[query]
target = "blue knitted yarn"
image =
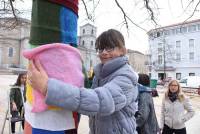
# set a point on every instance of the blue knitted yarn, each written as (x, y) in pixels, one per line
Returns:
(41, 131)
(68, 25)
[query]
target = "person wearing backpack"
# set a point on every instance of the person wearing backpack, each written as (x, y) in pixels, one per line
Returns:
(145, 116)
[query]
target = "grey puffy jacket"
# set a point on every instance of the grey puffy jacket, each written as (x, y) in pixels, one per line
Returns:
(110, 104)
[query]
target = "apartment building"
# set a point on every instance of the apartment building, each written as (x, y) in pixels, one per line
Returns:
(174, 50)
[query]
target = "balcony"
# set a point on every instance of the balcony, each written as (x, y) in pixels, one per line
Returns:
(167, 68)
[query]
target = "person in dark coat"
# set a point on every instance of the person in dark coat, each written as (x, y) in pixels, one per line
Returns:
(145, 116)
(17, 97)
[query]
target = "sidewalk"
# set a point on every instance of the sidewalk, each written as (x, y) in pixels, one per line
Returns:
(192, 125)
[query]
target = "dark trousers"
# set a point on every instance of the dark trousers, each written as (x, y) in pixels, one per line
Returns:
(71, 131)
(168, 130)
(16, 114)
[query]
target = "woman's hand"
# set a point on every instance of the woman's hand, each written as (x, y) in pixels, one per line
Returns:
(14, 106)
(37, 77)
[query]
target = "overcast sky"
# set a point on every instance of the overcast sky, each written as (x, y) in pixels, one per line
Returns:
(107, 15)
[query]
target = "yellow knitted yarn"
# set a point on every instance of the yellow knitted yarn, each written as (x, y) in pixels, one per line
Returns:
(30, 97)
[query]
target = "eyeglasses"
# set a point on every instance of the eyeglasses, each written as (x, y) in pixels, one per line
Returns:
(173, 85)
(105, 49)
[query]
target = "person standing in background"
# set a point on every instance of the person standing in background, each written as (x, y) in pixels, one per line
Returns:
(176, 110)
(145, 116)
(17, 98)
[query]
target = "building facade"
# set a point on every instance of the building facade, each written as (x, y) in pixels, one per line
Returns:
(86, 45)
(174, 50)
(12, 42)
(138, 61)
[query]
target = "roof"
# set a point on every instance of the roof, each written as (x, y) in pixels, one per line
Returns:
(11, 22)
(134, 51)
(19, 18)
(174, 25)
(89, 25)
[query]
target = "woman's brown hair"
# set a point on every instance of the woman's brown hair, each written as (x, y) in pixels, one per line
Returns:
(110, 39)
(181, 96)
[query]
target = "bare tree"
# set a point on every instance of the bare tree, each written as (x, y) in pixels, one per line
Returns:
(7, 10)
(151, 7)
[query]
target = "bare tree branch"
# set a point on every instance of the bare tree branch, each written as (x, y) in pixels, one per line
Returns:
(193, 11)
(182, 4)
(97, 5)
(85, 6)
(187, 7)
(13, 10)
(124, 14)
(149, 9)
(8, 11)
(7, 8)
(126, 17)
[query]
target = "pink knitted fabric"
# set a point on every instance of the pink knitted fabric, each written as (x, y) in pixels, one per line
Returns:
(60, 61)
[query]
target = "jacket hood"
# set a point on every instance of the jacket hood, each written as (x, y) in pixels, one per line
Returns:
(142, 88)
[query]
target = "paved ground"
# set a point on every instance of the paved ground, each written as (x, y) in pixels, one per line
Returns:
(192, 125)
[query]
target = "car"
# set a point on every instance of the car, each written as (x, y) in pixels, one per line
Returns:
(190, 81)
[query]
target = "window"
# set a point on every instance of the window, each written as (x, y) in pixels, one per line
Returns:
(191, 74)
(10, 52)
(178, 76)
(92, 32)
(191, 43)
(170, 46)
(183, 29)
(159, 50)
(178, 44)
(166, 32)
(178, 30)
(160, 45)
(92, 43)
(178, 57)
(192, 28)
(83, 31)
(158, 34)
(199, 27)
(173, 31)
(159, 59)
(83, 43)
(151, 35)
(191, 55)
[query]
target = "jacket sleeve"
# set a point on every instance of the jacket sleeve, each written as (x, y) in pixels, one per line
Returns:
(162, 117)
(143, 109)
(190, 111)
(12, 95)
(104, 100)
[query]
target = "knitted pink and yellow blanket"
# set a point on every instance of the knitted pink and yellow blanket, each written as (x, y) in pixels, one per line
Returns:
(60, 61)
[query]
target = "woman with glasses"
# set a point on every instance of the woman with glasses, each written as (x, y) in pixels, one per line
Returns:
(176, 110)
(111, 104)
